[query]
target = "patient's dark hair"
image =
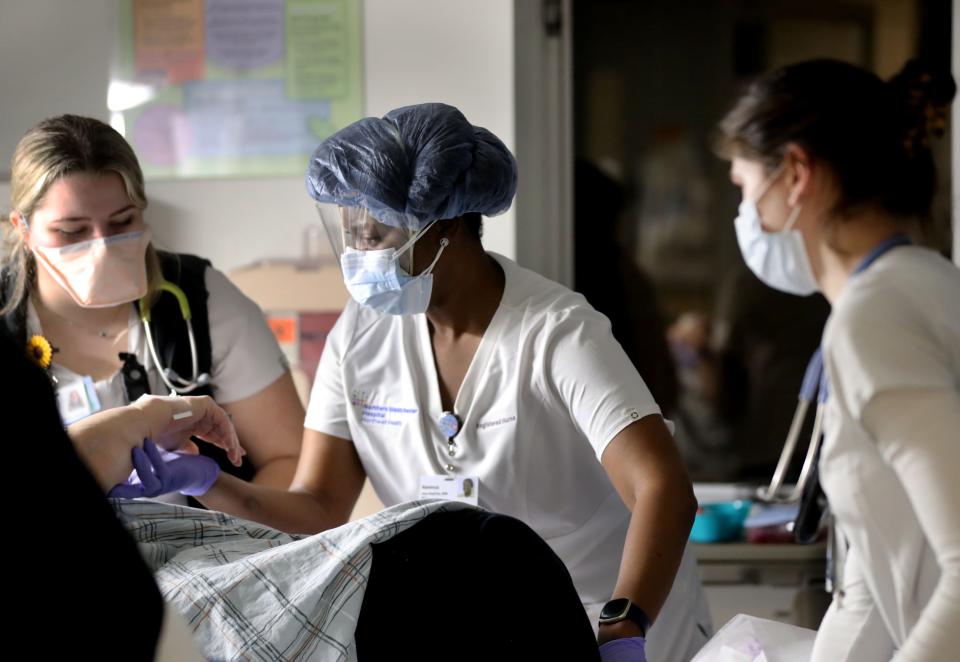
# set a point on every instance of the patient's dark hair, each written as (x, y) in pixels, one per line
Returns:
(873, 135)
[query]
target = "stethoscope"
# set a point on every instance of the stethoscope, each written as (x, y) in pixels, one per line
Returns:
(814, 388)
(173, 381)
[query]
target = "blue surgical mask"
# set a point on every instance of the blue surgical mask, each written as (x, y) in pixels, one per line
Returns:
(376, 279)
(779, 259)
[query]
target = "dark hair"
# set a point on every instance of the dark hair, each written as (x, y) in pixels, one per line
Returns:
(874, 135)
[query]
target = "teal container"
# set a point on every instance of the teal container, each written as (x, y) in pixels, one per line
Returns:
(720, 522)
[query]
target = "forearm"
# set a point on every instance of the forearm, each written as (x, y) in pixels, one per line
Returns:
(936, 634)
(645, 468)
(270, 425)
(656, 538)
(107, 459)
(915, 430)
(277, 473)
(287, 510)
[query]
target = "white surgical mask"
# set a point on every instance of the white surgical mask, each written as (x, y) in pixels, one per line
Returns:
(779, 259)
(376, 279)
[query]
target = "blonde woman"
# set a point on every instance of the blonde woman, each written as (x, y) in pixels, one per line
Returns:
(81, 274)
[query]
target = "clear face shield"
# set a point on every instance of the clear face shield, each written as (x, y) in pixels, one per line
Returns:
(356, 229)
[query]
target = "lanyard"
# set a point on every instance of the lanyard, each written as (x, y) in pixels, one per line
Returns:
(814, 389)
(814, 379)
(813, 502)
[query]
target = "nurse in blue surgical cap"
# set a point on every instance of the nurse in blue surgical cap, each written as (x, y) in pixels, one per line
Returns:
(453, 363)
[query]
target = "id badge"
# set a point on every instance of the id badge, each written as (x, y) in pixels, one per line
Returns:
(77, 399)
(451, 488)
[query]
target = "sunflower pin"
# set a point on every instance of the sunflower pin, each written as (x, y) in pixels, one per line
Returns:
(40, 351)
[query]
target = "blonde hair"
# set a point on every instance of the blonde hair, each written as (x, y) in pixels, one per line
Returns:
(54, 148)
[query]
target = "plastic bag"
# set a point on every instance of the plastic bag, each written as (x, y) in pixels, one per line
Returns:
(750, 639)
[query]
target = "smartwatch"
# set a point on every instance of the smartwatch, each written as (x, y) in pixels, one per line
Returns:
(621, 609)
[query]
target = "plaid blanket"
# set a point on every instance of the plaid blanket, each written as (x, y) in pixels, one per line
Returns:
(249, 592)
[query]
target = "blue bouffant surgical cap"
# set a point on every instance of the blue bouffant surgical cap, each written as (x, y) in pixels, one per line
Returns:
(415, 165)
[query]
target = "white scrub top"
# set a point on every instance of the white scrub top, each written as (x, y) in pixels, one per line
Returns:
(895, 328)
(245, 355)
(547, 390)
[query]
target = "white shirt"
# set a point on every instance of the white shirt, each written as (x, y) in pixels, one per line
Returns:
(891, 351)
(547, 390)
(245, 355)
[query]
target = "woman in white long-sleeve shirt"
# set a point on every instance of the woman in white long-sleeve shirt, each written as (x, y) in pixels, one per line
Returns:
(836, 172)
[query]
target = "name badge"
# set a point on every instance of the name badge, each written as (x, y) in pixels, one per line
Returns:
(77, 399)
(451, 488)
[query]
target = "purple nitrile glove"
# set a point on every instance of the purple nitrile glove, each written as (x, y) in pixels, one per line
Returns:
(626, 649)
(160, 472)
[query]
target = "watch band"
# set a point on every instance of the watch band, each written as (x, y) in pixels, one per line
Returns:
(622, 609)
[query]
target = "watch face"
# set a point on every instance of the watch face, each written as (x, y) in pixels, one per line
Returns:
(615, 610)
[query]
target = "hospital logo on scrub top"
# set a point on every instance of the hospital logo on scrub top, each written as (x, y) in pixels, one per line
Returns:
(358, 397)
